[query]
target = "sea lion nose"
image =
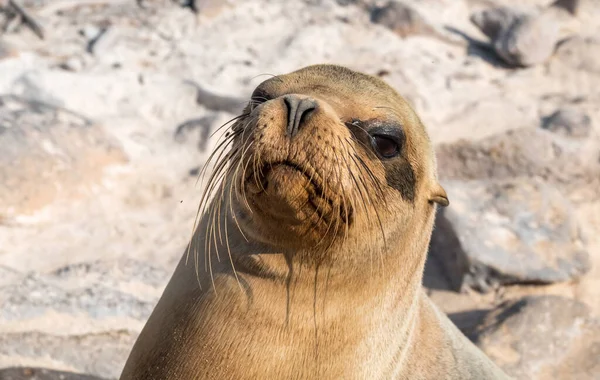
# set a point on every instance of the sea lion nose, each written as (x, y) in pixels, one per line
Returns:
(298, 111)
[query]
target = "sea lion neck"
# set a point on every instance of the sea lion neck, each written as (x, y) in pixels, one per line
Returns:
(397, 265)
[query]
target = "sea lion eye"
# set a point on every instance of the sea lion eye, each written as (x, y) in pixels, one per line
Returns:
(386, 147)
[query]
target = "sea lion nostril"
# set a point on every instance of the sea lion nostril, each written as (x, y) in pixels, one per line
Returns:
(298, 110)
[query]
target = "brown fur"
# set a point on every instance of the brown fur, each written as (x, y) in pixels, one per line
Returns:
(312, 269)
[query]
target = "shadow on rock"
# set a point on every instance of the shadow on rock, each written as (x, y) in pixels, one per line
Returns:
(27, 373)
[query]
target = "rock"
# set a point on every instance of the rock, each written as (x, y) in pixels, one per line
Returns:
(114, 272)
(203, 124)
(569, 164)
(580, 53)
(73, 64)
(28, 373)
(91, 32)
(571, 6)
(100, 354)
(507, 232)
(493, 21)
(346, 2)
(47, 152)
(401, 18)
(543, 337)
(6, 50)
(520, 39)
(569, 122)
(106, 293)
(405, 21)
(84, 316)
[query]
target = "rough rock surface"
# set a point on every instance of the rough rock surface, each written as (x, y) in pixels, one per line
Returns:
(511, 231)
(85, 300)
(404, 20)
(569, 164)
(580, 53)
(543, 337)
(47, 151)
(27, 373)
(520, 38)
(569, 122)
(83, 272)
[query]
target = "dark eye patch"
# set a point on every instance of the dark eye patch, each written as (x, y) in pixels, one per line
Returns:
(387, 141)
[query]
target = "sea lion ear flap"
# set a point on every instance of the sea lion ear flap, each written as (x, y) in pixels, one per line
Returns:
(438, 195)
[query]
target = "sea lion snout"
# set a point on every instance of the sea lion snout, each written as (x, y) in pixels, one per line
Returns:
(290, 178)
(298, 109)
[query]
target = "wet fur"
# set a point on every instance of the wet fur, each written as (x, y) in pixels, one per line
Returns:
(308, 257)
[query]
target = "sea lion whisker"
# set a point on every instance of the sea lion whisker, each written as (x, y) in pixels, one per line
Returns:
(207, 253)
(258, 164)
(229, 254)
(322, 214)
(228, 160)
(244, 167)
(226, 124)
(374, 209)
(218, 152)
(246, 147)
(272, 76)
(233, 216)
(343, 200)
(216, 229)
(374, 179)
(244, 171)
(359, 188)
(213, 181)
(332, 219)
(201, 207)
(343, 191)
(369, 171)
(221, 196)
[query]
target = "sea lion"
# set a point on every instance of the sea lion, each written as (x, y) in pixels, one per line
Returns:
(308, 258)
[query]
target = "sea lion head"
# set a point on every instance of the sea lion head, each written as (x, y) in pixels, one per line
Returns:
(326, 153)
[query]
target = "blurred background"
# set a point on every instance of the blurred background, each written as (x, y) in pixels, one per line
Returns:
(106, 107)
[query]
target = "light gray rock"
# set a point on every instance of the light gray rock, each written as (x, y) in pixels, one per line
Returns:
(89, 293)
(34, 297)
(114, 272)
(569, 122)
(569, 164)
(399, 17)
(519, 38)
(47, 151)
(103, 295)
(580, 53)
(493, 21)
(28, 373)
(404, 20)
(571, 6)
(506, 232)
(102, 354)
(6, 50)
(543, 337)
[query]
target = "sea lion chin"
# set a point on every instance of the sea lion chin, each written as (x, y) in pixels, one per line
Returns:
(308, 257)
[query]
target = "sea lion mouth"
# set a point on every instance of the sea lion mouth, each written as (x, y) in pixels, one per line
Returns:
(261, 175)
(326, 208)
